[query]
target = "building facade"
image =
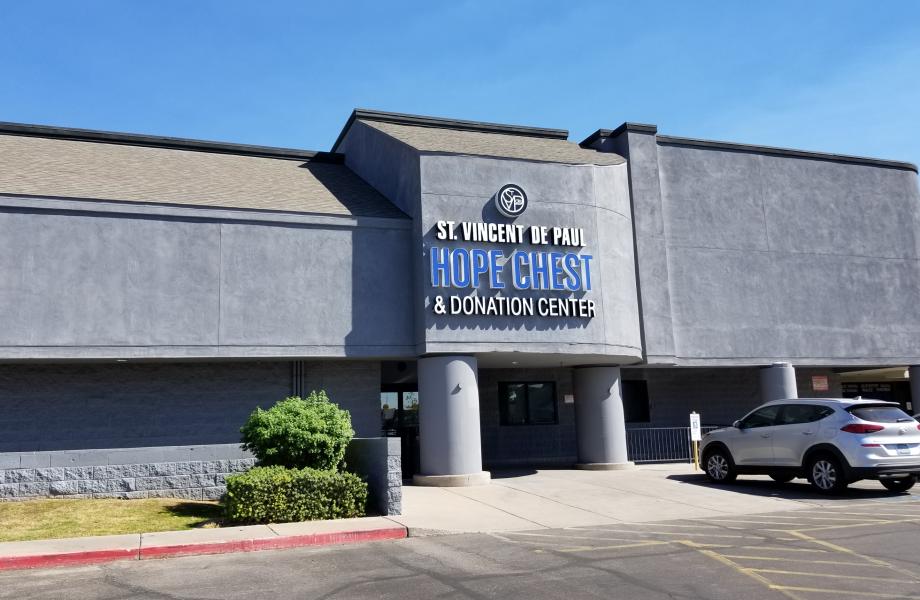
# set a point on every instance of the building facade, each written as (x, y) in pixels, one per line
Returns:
(506, 295)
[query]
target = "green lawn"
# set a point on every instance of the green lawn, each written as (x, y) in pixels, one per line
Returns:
(42, 519)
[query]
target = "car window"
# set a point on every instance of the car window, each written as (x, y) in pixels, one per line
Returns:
(880, 414)
(763, 417)
(796, 414)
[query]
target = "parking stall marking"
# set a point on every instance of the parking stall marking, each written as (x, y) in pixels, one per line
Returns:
(789, 589)
(780, 552)
(876, 561)
(799, 560)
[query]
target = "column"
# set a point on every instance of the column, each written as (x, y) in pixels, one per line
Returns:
(914, 374)
(600, 425)
(777, 382)
(449, 444)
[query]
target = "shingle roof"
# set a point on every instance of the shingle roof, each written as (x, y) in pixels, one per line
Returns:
(49, 166)
(503, 145)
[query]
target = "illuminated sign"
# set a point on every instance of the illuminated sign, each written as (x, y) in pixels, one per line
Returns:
(514, 273)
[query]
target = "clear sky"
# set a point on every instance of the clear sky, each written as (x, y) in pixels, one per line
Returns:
(835, 76)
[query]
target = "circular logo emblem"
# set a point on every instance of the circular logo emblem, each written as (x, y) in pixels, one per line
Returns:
(511, 201)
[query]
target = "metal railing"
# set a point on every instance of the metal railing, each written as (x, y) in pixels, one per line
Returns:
(660, 444)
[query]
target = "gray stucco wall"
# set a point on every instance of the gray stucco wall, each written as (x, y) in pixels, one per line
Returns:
(595, 198)
(436, 186)
(775, 257)
(101, 280)
(526, 445)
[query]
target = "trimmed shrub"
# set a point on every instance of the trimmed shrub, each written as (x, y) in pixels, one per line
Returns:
(299, 432)
(279, 495)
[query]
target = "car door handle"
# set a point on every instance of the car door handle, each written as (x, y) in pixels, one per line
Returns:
(765, 435)
(807, 432)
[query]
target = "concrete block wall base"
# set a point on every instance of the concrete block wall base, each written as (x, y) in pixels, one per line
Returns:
(623, 466)
(465, 480)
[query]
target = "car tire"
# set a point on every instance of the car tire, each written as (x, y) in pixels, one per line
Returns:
(781, 477)
(825, 474)
(718, 465)
(899, 485)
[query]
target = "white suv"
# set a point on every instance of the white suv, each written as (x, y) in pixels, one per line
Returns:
(831, 442)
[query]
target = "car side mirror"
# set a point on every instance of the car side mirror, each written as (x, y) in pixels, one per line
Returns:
(737, 425)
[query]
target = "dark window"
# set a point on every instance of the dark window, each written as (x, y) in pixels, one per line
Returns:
(797, 414)
(881, 414)
(527, 403)
(764, 417)
(635, 401)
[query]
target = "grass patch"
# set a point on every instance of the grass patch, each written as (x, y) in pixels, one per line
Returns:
(44, 519)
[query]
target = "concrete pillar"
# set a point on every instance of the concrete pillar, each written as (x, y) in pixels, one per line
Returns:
(777, 382)
(600, 425)
(449, 443)
(914, 375)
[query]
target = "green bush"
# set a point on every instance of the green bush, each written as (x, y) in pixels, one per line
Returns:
(279, 495)
(299, 432)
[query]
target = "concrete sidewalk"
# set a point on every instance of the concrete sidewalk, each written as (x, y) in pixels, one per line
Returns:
(513, 501)
(522, 500)
(141, 546)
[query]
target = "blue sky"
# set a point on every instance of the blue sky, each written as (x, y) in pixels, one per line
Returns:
(834, 76)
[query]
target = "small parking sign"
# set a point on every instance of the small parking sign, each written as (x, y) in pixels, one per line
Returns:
(695, 433)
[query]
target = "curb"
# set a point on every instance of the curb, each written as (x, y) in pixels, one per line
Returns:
(39, 561)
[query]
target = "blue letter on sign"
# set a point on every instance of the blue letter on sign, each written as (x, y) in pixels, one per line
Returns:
(460, 268)
(440, 271)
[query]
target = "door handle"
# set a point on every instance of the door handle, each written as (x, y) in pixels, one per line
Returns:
(765, 435)
(807, 432)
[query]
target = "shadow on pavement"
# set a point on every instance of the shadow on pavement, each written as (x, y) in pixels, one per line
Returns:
(797, 489)
(511, 473)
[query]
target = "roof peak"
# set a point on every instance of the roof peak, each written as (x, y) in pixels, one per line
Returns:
(157, 141)
(445, 123)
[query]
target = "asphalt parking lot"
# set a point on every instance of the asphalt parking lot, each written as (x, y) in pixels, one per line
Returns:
(862, 547)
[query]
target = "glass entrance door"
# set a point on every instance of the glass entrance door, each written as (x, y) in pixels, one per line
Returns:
(399, 418)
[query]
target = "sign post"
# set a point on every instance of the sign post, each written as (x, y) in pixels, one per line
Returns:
(696, 435)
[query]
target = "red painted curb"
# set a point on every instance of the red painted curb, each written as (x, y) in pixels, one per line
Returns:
(276, 543)
(40, 561)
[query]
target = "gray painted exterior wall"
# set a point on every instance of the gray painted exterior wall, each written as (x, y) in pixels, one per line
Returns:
(460, 188)
(517, 445)
(595, 198)
(720, 394)
(747, 257)
(379, 461)
(190, 472)
(720, 259)
(91, 283)
(93, 406)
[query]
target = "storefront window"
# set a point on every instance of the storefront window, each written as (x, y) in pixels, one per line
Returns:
(530, 403)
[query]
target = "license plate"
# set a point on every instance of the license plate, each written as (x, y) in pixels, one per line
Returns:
(903, 449)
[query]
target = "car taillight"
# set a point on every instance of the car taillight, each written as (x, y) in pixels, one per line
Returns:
(861, 428)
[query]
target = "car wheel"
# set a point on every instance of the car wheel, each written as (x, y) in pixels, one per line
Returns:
(826, 474)
(899, 485)
(781, 477)
(719, 466)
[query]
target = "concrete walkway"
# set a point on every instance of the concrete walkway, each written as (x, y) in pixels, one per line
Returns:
(516, 501)
(513, 501)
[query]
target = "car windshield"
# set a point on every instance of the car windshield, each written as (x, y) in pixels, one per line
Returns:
(881, 414)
